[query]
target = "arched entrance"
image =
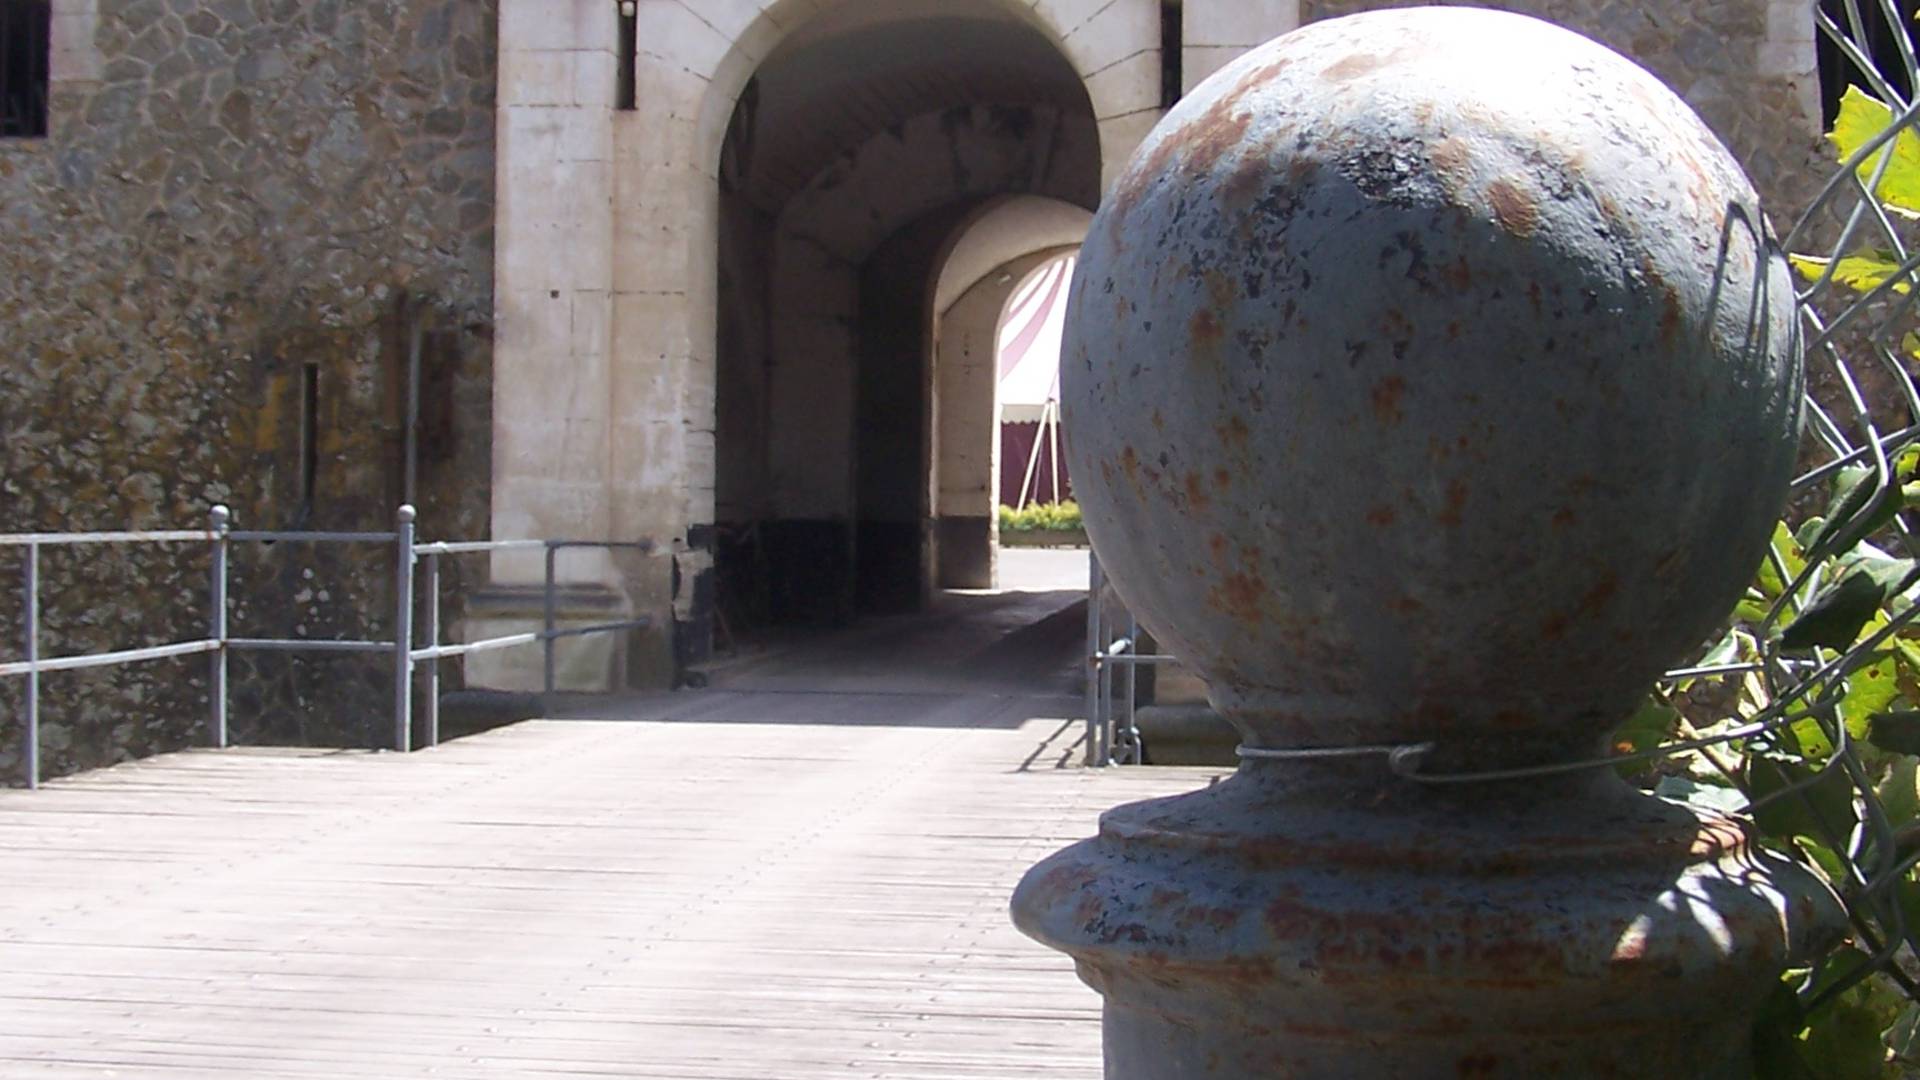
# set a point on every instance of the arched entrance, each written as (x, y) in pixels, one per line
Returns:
(613, 413)
(994, 252)
(862, 155)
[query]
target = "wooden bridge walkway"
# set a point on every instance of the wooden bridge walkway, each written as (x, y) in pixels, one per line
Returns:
(729, 884)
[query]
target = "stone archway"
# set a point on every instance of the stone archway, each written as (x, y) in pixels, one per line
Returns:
(990, 255)
(825, 497)
(608, 262)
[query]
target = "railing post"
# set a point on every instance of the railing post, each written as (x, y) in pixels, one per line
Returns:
(222, 520)
(430, 693)
(1133, 691)
(547, 640)
(1095, 647)
(30, 594)
(403, 632)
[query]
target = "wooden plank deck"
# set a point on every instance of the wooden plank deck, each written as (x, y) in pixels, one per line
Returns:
(742, 885)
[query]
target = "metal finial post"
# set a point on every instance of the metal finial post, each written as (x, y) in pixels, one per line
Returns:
(30, 599)
(1431, 381)
(220, 524)
(403, 631)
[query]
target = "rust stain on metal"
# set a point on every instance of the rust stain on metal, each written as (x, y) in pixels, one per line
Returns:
(1238, 596)
(1205, 330)
(1387, 394)
(1563, 519)
(1597, 598)
(1513, 208)
(1672, 317)
(1450, 514)
(1222, 479)
(1352, 67)
(1159, 421)
(1217, 546)
(1233, 434)
(1197, 497)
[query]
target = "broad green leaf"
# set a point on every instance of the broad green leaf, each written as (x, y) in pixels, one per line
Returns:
(1752, 607)
(1823, 805)
(1896, 732)
(1830, 865)
(1864, 271)
(1847, 1037)
(1834, 619)
(1711, 796)
(1776, 1036)
(1903, 1038)
(1646, 730)
(1899, 790)
(1791, 555)
(1862, 118)
(1871, 689)
(1860, 507)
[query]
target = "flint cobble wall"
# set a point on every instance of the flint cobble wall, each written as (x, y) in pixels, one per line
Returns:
(238, 191)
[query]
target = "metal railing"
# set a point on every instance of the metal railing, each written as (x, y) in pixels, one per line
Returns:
(1112, 740)
(408, 658)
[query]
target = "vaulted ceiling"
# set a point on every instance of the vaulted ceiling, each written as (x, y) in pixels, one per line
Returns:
(864, 68)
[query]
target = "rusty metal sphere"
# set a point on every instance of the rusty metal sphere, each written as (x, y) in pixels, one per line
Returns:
(1431, 374)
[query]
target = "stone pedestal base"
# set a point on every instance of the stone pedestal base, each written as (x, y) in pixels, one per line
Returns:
(594, 663)
(1315, 921)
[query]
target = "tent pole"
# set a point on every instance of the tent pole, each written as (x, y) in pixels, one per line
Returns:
(1053, 446)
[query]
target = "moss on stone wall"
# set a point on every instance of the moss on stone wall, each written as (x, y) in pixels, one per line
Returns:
(253, 187)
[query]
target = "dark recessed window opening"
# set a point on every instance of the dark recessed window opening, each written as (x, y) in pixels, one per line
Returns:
(627, 61)
(1878, 39)
(26, 31)
(1173, 34)
(309, 439)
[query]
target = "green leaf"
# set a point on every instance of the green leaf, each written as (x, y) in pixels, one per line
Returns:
(1726, 800)
(1834, 618)
(1847, 1035)
(1822, 805)
(1899, 790)
(1645, 730)
(1832, 867)
(1871, 689)
(1862, 272)
(1860, 507)
(1896, 732)
(1791, 555)
(1776, 1035)
(1862, 118)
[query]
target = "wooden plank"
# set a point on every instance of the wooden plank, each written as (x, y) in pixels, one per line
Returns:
(722, 885)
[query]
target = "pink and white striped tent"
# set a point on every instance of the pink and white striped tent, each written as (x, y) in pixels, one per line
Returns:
(1029, 365)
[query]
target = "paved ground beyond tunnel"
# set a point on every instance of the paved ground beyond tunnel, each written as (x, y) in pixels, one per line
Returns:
(771, 879)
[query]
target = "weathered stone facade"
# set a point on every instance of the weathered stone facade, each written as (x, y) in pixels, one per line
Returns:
(237, 193)
(233, 190)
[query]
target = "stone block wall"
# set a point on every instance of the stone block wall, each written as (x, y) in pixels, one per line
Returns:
(239, 199)
(1747, 66)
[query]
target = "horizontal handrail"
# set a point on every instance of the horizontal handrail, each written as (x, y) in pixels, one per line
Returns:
(275, 536)
(308, 645)
(599, 628)
(108, 659)
(474, 547)
(160, 536)
(407, 658)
